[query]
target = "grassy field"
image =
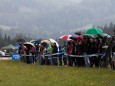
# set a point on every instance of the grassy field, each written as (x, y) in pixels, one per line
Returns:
(21, 74)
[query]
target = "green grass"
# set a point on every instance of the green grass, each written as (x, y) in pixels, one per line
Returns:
(15, 73)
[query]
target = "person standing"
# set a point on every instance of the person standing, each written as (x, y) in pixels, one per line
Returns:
(80, 51)
(3, 54)
(60, 56)
(64, 56)
(54, 51)
(69, 52)
(33, 51)
(93, 50)
(74, 53)
(24, 50)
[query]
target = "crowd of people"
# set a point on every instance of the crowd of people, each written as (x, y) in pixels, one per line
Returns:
(77, 52)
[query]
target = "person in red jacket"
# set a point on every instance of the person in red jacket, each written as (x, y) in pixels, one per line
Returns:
(69, 52)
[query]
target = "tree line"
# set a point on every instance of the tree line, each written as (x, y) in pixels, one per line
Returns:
(6, 40)
(109, 29)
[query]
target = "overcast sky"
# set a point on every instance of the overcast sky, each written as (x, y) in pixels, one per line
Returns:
(47, 16)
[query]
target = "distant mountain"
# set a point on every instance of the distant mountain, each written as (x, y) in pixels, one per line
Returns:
(49, 18)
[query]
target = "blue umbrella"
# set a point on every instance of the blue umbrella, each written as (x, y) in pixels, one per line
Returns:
(37, 41)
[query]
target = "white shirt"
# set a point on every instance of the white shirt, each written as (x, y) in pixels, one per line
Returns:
(3, 53)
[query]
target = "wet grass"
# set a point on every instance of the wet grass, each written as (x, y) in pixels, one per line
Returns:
(15, 73)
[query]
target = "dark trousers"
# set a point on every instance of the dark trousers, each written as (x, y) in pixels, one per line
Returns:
(80, 61)
(92, 61)
(65, 60)
(97, 61)
(60, 61)
(24, 58)
(42, 61)
(47, 60)
(28, 60)
(33, 58)
(69, 61)
(54, 61)
(74, 61)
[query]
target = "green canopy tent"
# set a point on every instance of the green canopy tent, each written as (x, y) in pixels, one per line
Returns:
(9, 47)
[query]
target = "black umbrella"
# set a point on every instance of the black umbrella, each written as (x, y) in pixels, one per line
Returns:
(73, 38)
(87, 36)
(29, 45)
(78, 33)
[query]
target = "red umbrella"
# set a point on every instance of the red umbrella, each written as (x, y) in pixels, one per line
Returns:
(65, 37)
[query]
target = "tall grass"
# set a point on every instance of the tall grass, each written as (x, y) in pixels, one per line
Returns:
(15, 73)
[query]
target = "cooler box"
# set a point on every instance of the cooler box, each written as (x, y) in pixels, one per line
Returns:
(15, 56)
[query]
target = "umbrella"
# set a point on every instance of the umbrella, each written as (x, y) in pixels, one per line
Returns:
(53, 41)
(94, 31)
(32, 41)
(46, 43)
(38, 41)
(65, 37)
(87, 36)
(73, 38)
(78, 33)
(29, 44)
(104, 35)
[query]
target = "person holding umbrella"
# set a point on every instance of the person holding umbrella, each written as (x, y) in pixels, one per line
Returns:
(69, 52)
(33, 52)
(24, 50)
(80, 51)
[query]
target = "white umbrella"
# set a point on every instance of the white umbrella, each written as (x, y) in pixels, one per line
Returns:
(53, 41)
(29, 43)
(105, 35)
